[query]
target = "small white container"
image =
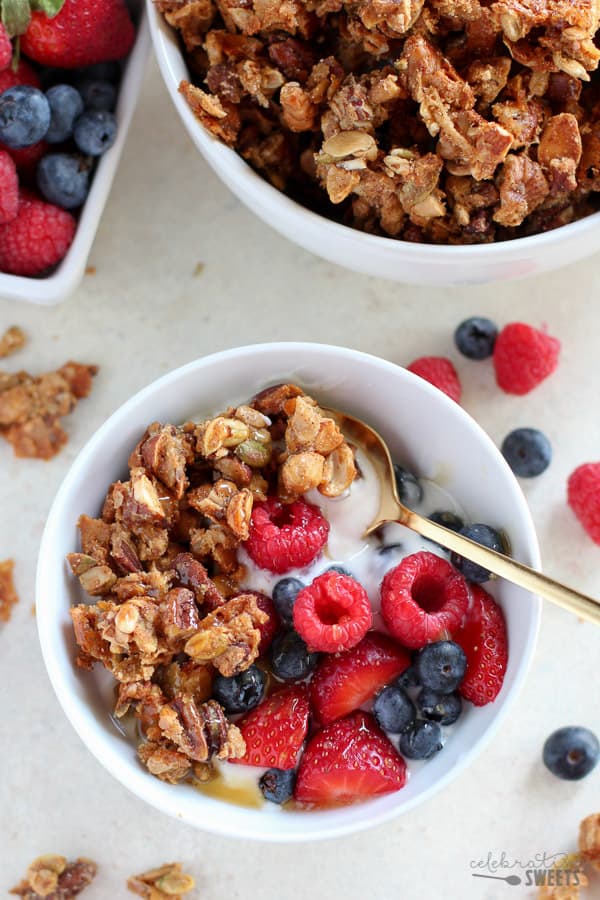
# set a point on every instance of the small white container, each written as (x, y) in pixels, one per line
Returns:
(371, 254)
(425, 429)
(63, 281)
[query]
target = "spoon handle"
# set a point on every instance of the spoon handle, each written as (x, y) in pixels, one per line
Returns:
(583, 606)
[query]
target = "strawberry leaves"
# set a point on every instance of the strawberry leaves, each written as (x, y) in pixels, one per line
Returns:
(15, 15)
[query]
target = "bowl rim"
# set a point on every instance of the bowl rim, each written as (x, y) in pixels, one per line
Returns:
(139, 782)
(222, 156)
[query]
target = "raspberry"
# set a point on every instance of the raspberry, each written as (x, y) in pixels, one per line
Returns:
(5, 48)
(26, 158)
(439, 372)
(524, 357)
(25, 74)
(36, 239)
(286, 536)
(333, 613)
(584, 497)
(9, 189)
(423, 599)
(269, 628)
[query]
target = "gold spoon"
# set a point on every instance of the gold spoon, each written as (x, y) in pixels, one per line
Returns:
(392, 510)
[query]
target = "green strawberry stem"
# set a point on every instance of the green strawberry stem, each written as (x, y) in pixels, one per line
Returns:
(15, 15)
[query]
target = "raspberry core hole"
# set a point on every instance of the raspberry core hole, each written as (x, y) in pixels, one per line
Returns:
(428, 592)
(330, 612)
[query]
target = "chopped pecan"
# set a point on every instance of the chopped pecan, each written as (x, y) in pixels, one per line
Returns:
(200, 731)
(8, 593)
(54, 878)
(560, 151)
(179, 617)
(123, 551)
(11, 341)
(229, 637)
(295, 58)
(167, 882)
(522, 189)
(271, 400)
(191, 573)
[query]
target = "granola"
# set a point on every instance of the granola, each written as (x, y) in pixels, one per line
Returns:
(8, 593)
(166, 882)
(167, 611)
(31, 407)
(368, 111)
(54, 878)
(12, 340)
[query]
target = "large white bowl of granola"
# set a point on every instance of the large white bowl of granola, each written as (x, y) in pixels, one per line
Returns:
(434, 143)
(166, 656)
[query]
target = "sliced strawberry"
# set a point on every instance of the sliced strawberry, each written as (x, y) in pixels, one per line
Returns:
(275, 731)
(423, 599)
(344, 681)
(483, 638)
(349, 760)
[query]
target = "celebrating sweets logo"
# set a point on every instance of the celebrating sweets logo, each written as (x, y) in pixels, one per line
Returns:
(542, 869)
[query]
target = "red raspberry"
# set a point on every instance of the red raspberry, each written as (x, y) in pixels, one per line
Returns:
(9, 189)
(26, 158)
(333, 613)
(483, 638)
(584, 497)
(439, 372)
(267, 629)
(37, 239)
(523, 357)
(5, 48)
(25, 74)
(285, 536)
(423, 599)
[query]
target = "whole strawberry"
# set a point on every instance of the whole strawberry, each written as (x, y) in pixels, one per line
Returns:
(83, 32)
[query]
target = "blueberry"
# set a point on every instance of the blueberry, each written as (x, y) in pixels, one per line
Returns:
(442, 708)
(476, 337)
(571, 753)
(422, 740)
(95, 132)
(290, 658)
(447, 519)
(277, 785)
(66, 105)
(24, 116)
(393, 709)
(341, 570)
(98, 94)
(408, 679)
(242, 692)
(284, 597)
(484, 535)
(527, 451)
(64, 179)
(441, 666)
(408, 487)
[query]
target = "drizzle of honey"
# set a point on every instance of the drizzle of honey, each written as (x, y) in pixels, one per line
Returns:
(239, 793)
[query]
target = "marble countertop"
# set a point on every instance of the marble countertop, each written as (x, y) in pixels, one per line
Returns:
(181, 268)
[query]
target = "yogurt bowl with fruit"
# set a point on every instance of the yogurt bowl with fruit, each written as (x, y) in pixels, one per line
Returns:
(226, 641)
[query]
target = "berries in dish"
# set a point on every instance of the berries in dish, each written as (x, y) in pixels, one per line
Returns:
(286, 536)
(441, 666)
(484, 640)
(291, 659)
(275, 731)
(442, 708)
(284, 596)
(277, 785)
(421, 740)
(240, 693)
(488, 537)
(333, 613)
(394, 710)
(423, 599)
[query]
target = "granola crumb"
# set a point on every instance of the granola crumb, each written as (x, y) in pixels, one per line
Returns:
(55, 878)
(90, 270)
(12, 340)
(32, 407)
(8, 593)
(199, 269)
(167, 882)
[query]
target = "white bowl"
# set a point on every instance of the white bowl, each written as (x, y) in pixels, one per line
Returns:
(371, 254)
(68, 274)
(431, 433)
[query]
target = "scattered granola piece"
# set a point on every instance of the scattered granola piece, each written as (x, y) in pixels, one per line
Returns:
(8, 593)
(12, 340)
(589, 840)
(31, 408)
(568, 879)
(167, 882)
(54, 878)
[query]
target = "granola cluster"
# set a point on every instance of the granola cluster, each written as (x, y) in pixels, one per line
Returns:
(168, 882)
(569, 873)
(439, 121)
(31, 407)
(8, 593)
(52, 877)
(162, 565)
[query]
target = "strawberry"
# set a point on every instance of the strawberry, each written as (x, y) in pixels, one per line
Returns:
(5, 48)
(25, 74)
(275, 731)
(350, 759)
(485, 643)
(344, 681)
(82, 33)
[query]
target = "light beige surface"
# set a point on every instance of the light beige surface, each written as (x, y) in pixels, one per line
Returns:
(144, 312)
